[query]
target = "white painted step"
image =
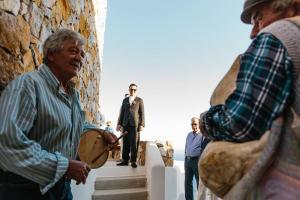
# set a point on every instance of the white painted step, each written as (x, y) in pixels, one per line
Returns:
(123, 182)
(124, 194)
(117, 171)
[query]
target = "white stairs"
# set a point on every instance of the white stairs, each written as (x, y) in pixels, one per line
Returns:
(120, 182)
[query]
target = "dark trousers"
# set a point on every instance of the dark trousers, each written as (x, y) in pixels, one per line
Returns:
(129, 144)
(191, 171)
(15, 187)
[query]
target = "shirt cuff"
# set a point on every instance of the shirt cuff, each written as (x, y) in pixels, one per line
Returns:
(208, 120)
(62, 166)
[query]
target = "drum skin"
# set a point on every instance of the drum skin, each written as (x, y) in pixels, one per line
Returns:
(92, 143)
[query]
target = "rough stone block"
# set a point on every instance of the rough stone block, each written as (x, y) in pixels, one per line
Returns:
(12, 6)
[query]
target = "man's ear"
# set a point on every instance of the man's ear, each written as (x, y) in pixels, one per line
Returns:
(50, 56)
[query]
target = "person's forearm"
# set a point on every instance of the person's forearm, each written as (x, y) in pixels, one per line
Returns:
(33, 163)
(212, 124)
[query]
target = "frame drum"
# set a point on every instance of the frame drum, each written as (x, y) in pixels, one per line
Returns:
(91, 145)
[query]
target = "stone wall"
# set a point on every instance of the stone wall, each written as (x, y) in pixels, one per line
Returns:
(166, 151)
(25, 24)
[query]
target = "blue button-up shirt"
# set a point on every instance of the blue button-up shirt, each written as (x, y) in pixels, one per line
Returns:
(110, 129)
(193, 144)
(40, 127)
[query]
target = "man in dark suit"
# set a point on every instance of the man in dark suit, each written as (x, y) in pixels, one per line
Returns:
(132, 120)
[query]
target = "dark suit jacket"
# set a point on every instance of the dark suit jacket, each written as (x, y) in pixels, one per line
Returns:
(132, 115)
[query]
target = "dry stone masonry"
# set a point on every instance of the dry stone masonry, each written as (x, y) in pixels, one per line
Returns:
(167, 152)
(25, 24)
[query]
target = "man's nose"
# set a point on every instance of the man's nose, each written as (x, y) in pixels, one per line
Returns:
(254, 31)
(79, 58)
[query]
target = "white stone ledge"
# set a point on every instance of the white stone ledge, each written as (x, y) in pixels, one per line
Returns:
(155, 172)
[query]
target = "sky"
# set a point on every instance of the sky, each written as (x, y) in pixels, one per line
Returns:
(176, 51)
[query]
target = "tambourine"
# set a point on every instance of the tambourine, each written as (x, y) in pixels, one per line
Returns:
(93, 143)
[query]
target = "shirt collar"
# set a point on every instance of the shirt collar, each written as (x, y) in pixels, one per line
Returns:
(49, 76)
(52, 80)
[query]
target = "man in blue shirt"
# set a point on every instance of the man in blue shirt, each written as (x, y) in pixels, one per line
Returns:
(41, 124)
(195, 144)
(109, 128)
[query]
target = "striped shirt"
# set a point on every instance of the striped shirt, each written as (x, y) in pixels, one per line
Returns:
(263, 90)
(193, 144)
(40, 127)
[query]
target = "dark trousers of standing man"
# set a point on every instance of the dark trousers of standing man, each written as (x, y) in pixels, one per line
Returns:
(129, 144)
(15, 187)
(191, 171)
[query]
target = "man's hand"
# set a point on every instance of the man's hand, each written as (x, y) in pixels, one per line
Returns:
(108, 137)
(78, 171)
(119, 128)
(112, 147)
(140, 129)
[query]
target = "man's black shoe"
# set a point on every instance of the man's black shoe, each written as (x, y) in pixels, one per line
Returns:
(133, 165)
(122, 163)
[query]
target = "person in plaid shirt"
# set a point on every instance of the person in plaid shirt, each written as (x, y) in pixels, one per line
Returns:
(266, 98)
(264, 82)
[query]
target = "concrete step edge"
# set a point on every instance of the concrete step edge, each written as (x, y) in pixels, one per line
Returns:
(112, 178)
(120, 191)
(115, 183)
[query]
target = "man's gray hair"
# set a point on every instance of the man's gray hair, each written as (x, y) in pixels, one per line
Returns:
(195, 119)
(56, 41)
(280, 6)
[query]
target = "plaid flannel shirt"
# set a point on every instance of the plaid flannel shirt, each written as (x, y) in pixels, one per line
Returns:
(263, 89)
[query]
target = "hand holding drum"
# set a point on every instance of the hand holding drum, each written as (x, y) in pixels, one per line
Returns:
(94, 147)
